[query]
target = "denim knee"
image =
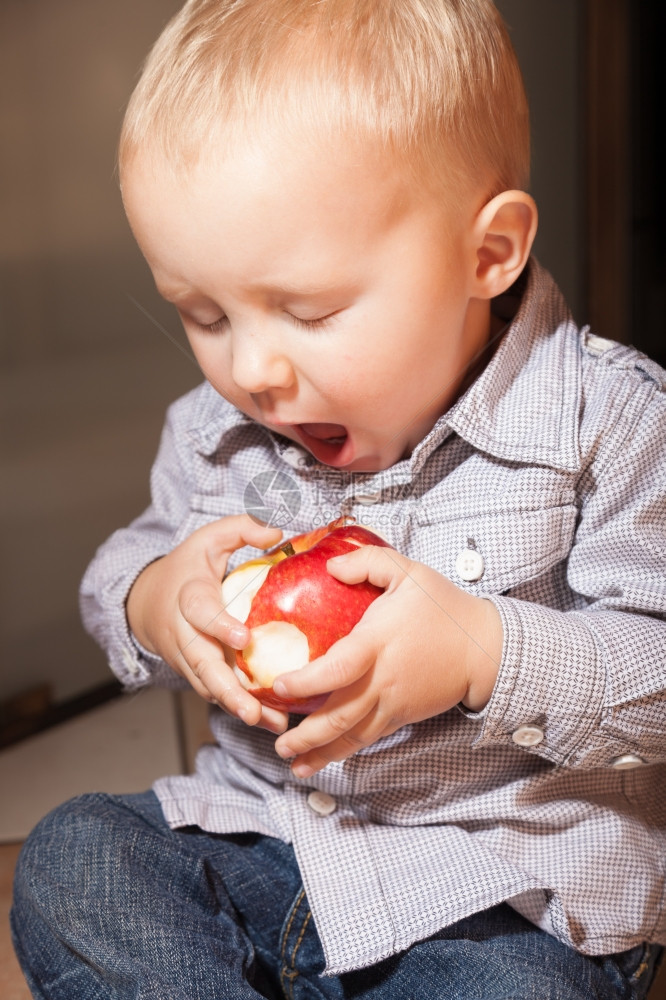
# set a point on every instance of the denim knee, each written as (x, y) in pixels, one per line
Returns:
(59, 861)
(108, 902)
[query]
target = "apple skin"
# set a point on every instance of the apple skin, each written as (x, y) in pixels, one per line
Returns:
(297, 610)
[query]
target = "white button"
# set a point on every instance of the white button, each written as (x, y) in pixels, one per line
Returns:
(322, 803)
(527, 736)
(367, 499)
(295, 457)
(627, 761)
(470, 565)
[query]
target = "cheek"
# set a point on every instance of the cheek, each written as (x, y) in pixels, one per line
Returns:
(368, 392)
(212, 359)
(366, 373)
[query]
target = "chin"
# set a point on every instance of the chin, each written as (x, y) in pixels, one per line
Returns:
(377, 463)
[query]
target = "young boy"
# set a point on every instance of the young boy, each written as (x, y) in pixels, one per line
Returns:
(332, 195)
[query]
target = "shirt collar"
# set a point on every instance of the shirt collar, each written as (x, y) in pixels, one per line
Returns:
(214, 417)
(524, 406)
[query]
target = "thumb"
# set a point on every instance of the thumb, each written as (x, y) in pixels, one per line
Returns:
(344, 662)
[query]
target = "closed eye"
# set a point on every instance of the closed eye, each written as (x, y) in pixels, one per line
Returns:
(216, 327)
(312, 324)
(307, 324)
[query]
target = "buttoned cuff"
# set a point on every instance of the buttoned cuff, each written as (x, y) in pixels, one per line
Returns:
(141, 667)
(549, 691)
(106, 620)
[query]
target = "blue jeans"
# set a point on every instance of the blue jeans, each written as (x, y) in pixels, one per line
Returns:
(110, 903)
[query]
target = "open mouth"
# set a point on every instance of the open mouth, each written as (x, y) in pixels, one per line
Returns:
(329, 443)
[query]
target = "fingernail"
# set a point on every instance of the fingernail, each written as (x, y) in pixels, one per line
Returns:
(302, 771)
(284, 752)
(280, 688)
(238, 636)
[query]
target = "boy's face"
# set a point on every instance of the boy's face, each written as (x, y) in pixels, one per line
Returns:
(319, 294)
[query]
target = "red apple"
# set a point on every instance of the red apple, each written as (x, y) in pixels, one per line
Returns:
(295, 610)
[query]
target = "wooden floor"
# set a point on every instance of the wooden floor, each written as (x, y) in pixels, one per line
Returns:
(12, 984)
(658, 991)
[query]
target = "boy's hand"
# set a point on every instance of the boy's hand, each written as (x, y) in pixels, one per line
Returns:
(421, 647)
(175, 610)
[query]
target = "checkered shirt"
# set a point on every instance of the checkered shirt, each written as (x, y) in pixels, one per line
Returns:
(546, 483)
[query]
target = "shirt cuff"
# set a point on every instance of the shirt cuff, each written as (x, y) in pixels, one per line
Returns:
(549, 692)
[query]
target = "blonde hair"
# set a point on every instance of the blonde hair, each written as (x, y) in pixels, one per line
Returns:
(435, 82)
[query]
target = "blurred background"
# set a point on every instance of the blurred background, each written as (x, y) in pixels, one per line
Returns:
(91, 357)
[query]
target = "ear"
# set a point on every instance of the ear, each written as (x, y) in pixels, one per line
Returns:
(504, 232)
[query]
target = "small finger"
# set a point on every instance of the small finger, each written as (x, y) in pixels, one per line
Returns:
(367, 731)
(203, 665)
(231, 533)
(330, 723)
(203, 661)
(273, 720)
(378, 564)
(200, 604)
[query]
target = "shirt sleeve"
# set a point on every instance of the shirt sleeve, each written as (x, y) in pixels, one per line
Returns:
(120, 560)
(587, 687)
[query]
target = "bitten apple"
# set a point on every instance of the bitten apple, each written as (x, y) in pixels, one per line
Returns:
(295, 610)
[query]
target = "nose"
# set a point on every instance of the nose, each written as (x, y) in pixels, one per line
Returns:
(258, 363)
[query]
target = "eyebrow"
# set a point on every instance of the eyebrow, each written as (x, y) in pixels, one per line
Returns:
(277, 290)
(303, 288)
(308, 293)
